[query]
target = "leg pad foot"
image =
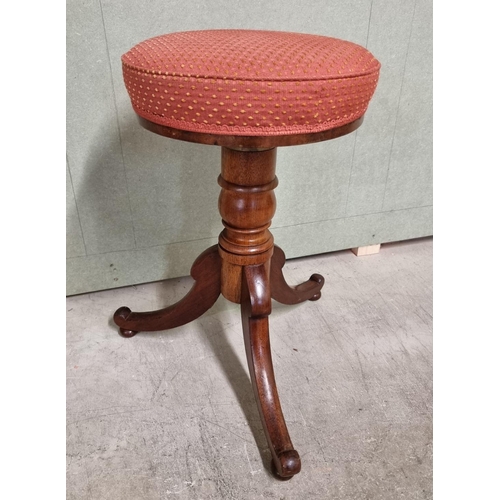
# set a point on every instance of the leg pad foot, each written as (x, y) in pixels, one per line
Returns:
(321, 281)
(122, 314)
(126, 333)
(289, 464)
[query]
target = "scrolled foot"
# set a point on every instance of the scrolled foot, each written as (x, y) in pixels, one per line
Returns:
(202, 296)
(288, 465)
(286, 294)
(321, 281)
(121, 315)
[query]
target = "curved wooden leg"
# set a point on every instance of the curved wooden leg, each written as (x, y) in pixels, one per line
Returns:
(206, 272)
(255, 309)
(286, 294)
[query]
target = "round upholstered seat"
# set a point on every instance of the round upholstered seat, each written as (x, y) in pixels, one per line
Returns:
(249, 83)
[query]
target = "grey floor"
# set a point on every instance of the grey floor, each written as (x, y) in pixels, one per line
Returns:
(172, 415)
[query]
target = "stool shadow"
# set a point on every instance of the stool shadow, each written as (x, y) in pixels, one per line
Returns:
(233, 370)
(216, 338)
(160, 192)
(239, 379)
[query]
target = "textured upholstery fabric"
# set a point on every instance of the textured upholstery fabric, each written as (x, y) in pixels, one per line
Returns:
(247, 82)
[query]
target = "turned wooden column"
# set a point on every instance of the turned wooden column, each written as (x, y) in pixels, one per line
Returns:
(247, 205)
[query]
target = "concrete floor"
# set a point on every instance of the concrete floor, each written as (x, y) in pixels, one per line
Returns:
(172, 414)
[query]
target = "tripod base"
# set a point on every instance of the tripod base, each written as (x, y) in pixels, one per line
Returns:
(259, 283)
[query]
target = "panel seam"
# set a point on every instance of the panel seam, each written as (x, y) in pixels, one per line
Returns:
(399, 103)
(76, 206)
(118, 123)
(356, 135)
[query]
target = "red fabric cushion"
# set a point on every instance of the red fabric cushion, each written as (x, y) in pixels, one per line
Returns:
(246, 82)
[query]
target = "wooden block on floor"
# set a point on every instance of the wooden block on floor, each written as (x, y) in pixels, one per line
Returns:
(368, 250)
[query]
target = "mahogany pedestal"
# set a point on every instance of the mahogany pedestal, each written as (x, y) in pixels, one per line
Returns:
(246, 267)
